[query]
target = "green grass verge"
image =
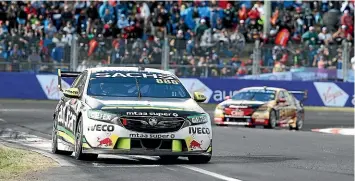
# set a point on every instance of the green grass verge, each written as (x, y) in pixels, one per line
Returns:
(15, 163)
(307, 108)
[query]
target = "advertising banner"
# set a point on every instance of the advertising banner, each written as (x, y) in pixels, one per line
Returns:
(49, 85)
(20, 86)
(319, 93)
(38, 86)
(303, 74)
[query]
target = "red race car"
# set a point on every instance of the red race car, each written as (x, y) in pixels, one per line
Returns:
(262, 106)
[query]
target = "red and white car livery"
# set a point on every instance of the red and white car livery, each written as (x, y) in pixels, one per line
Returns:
(266, 106)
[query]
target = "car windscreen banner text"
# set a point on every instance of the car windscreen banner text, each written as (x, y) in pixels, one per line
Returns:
(130, 84)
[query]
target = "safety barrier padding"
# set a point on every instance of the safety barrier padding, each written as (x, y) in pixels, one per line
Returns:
(44, 86)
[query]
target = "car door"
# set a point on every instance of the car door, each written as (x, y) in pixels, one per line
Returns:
(291, 105)
(281, 106)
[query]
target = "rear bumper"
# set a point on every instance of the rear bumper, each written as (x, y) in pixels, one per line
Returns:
(145, 152)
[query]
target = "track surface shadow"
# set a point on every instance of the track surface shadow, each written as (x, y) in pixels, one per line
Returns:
(103, 161)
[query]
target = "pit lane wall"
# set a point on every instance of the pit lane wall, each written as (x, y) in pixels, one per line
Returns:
(44, 86)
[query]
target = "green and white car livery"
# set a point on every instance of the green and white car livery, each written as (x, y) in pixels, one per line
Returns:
(130, 110)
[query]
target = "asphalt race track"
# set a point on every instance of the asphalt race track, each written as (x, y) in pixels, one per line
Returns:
(238, 153)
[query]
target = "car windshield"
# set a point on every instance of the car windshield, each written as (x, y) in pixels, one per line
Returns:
(255, 95)
(129, 84)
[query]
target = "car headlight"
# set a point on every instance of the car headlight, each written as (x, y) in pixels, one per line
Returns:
(198, 119)
(219, 111)
(219, 107)
(101, 115)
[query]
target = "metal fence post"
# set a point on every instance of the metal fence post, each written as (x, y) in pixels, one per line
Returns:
(74, 53)
(345, 60)
(267, 15)
(256, 58)
(206, 71)
(165, 52)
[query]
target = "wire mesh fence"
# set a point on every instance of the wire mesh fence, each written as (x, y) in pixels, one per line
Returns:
(224, 54)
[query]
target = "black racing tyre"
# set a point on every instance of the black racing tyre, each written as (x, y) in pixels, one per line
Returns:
(168, 158)
(78, 146)
(299, 123)
(55, 141)
(199, 159)
(272, 120)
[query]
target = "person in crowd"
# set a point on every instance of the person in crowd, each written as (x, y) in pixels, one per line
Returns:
(310, 37)
(341, 34)
(325, 37)
(200, 31)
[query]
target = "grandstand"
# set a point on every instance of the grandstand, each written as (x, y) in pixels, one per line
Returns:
(195, 38)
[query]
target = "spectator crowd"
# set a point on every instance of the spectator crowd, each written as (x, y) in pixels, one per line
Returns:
(214, 38)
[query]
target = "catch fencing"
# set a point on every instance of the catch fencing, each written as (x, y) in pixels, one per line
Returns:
(213, 55)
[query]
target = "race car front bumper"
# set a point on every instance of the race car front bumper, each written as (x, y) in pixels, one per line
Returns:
(153, 147)
(106, 138)
(145, 152)
(241, 121)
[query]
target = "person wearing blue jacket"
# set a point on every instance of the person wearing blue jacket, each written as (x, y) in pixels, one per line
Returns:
(105, 6)
(122, 22)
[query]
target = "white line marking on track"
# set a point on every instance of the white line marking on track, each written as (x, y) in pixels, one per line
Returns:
(2, 120)
(117, 157)
(129, 166)
(206, 172)
(144, 157)
(124, 166)
(170, 169)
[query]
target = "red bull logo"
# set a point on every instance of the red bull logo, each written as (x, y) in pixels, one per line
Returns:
(104, 142)
(194, 144)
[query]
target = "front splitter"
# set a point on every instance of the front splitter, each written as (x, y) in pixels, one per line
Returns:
(145, 152)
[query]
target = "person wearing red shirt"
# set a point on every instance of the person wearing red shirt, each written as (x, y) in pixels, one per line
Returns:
(242, 70)
(30, 10)
(243, 13)
(347, 20)
(254, 14)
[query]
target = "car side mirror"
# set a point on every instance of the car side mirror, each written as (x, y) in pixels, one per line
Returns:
(71, 93)
(281, 100)
(199, 97)
(227, 97)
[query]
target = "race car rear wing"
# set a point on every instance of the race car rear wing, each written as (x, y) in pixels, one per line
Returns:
(305, 94)
(65, 74)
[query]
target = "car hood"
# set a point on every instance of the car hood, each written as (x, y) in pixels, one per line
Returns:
(248, 103)
(135, 106)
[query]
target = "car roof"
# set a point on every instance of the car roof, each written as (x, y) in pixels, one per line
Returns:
(133, 69)
(267, 88)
